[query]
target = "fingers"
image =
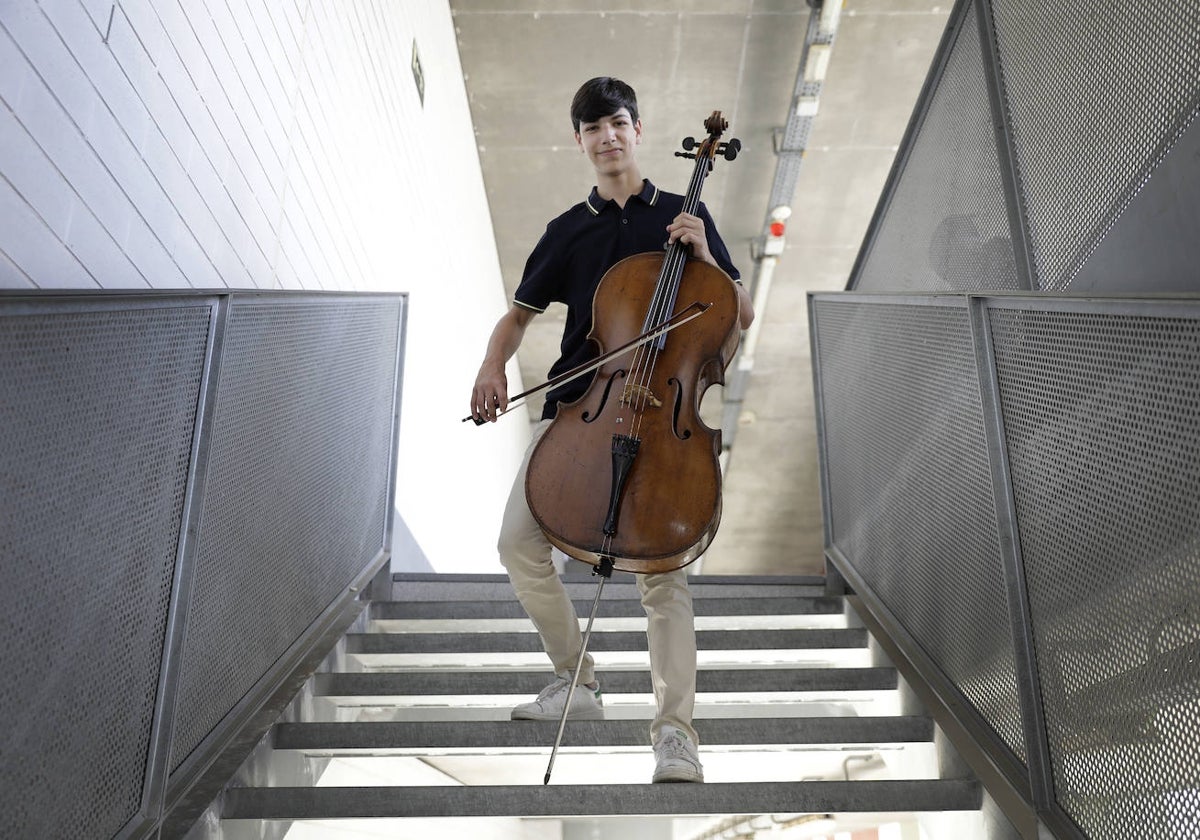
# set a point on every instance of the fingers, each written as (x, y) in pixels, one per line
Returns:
(487, 407)
(686, 227)
(488, 401)
(689, 230)
(483, 408)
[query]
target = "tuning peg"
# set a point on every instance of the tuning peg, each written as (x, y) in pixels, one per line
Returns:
(685, 155)
(730, 150)
(689, 143)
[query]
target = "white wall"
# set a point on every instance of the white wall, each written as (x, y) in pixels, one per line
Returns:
(177, 143)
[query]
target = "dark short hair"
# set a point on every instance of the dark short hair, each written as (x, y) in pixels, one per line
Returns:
(601, 97)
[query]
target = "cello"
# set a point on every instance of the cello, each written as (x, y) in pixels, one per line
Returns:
(628, 477)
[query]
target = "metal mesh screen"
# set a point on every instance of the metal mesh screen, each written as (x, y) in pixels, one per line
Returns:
(910, 488)
(97, 414)
(300, 437)
(946, 226)
(1096, 94)
(1102, 416)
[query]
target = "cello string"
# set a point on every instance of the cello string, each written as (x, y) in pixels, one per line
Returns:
(643, 364)
(663, 301)
(660, 309)
(660, 305)
(668, 284)
(667, 290)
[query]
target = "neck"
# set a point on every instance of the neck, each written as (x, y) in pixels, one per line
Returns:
(619, 187)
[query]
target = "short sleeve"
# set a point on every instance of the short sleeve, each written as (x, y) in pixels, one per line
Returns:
(716, 246)
(539, 285)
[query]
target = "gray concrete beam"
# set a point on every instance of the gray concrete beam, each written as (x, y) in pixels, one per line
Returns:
(716, 732)
(411, 587)
(624, 608)
(612, 681)
(579, 800)
(809, 639)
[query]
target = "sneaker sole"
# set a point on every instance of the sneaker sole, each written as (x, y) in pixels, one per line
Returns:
(596, 715)
(678, 776)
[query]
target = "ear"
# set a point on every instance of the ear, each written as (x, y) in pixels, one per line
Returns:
(637, 130)
(579, 142)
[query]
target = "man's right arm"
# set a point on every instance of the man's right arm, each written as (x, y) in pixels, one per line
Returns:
(490, 394)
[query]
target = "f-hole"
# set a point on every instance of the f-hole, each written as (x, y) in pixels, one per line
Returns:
(677, 409)
(588, 417)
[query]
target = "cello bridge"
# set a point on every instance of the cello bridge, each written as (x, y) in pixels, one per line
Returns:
(641, 395)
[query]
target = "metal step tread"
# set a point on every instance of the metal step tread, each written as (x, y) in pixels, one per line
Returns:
(312, 803)
(609, 608)
(608, 641)
(715, 732)
(476, 682)
(497, 587)
(617, 577)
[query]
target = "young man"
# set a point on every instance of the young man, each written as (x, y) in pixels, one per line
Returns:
(624, 215)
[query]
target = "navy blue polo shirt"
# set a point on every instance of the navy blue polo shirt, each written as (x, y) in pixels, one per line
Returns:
(577, 249)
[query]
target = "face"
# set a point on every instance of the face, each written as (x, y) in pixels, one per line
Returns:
(610, 142)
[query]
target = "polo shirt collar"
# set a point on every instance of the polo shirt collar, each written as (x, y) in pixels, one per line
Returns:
(648, 195)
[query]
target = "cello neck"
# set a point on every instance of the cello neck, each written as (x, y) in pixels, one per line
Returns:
(667, 288)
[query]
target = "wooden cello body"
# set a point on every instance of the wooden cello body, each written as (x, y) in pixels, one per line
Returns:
(629, 473)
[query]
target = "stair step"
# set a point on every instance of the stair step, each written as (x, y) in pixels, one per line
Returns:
(468, 682)
(762, 760)
(716, 732)
(610, 641)
(436, 587)
(612, 608)
(306, 803)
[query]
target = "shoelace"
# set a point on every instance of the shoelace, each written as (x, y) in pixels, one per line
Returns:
(675, 747)
(552, 689)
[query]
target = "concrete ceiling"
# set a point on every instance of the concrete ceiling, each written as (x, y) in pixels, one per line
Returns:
(524, 59)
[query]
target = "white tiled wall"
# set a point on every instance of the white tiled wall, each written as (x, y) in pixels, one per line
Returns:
(173, 143)
(267, 144)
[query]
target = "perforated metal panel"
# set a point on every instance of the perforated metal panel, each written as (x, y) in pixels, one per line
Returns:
(1096, 95)
(1102, 414)
(946, 226)
(301, 436)
(97, 414)
(910, 488)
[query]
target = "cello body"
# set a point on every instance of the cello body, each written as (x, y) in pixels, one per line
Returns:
(663, 511)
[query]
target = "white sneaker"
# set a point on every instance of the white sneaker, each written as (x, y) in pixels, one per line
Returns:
(586, 703)
(675, 756)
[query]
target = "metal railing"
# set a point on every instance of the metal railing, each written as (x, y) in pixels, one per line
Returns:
(1011, 484)
(1011, 477)
(193, 487)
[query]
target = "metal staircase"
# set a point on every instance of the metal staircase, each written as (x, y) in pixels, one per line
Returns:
(408, 718)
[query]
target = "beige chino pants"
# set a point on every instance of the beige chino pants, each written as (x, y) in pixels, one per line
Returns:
(670, 631)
